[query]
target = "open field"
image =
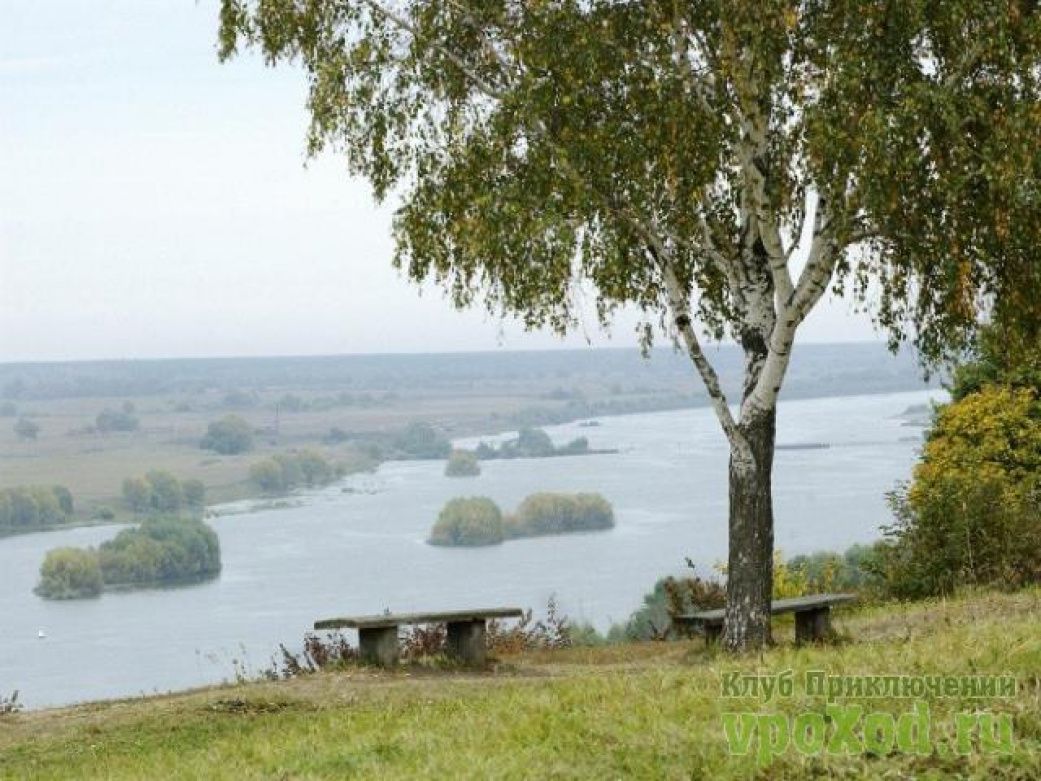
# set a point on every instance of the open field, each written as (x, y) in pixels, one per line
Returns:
(640, 711)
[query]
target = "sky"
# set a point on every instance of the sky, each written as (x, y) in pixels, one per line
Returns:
(156, 203)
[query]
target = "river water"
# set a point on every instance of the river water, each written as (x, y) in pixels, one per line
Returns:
(363, 550)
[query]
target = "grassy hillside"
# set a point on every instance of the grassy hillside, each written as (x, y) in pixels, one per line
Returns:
(642, 711)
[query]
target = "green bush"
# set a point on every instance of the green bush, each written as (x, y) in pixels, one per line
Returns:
(31, 507)
(70, 573)
(558, 513)
(462, 463)
(115, 420)
(972, 513)
(468, 521)
(228, 436)
(286, 471)
(161, 550)
(422, 441)
(160, 491)
(532, 443)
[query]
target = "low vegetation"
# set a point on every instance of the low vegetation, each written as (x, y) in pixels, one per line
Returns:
(26, 429)
(479, 521)
(471, 521)
(124, 419)
(228, 436)
(161, 492)
(532, 443)
(557, 513)
(462, 463)
(161, 551)
(286, 471)
(420, 440)
(29, 508)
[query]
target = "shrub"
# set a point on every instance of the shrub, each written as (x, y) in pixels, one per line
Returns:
(160, 491)
(286, 471)
(26, 429)
(28, 507)
(972, 513)
(70, 573)
(194, 492)
(557, 513)
(228, 436)
(116, 420)
(421, 440)
(468, 521)
(462, 463)
(161, 550)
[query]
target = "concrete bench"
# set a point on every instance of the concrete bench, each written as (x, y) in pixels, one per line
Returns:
(812, 617)
(378, 635)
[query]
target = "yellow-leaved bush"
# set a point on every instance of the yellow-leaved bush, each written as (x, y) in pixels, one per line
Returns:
(972, 513)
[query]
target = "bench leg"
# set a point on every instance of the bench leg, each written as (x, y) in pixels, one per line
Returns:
(813, 625)
(379, 646)
(466, 642)
(713, 632)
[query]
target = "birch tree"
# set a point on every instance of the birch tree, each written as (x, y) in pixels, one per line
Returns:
(716, 164)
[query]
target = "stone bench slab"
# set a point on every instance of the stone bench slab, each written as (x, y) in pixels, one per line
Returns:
(386, 620)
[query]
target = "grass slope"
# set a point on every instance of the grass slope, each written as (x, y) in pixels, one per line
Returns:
(640, 711)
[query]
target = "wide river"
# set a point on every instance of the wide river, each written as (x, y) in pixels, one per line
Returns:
(363, 550)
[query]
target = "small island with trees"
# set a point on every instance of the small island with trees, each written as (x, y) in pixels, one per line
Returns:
(462, 463)
(161, 551)
(477, 520)
(535, 443)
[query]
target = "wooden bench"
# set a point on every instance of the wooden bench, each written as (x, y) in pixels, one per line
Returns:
(378, 635)
(812, 617)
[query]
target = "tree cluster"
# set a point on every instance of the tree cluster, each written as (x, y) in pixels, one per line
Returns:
(479, 521)
(32, 507)
(532, 443)
(160, 491)
(284, 472)
(162, 550)
(228, 436)
(462, 463)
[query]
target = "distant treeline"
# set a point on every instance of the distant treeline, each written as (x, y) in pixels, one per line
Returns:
(286, 471)
(818, 370)
(25, 508)
(160, 551)
(477, 520)
(161, 492)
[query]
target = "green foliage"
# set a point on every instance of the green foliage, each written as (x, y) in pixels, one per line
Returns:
(422, 441)
(972, 514)
(541, 146)
(228, 436)
(25, 508)
(286, 471)
(462, 463)
(161, 550)
(469, 521)
(160, 491)
(70, 573)
(557, 513)
(532, 443)
(26, 429)
(194, 493)
(116, 420)
(1001, 356)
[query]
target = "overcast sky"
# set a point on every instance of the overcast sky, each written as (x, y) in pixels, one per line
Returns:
(155, 203)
